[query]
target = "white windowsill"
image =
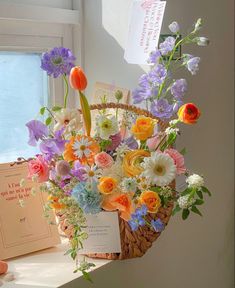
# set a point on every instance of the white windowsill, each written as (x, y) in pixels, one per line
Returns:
(47, 268)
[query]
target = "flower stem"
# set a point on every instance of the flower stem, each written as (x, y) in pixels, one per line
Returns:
(66, 90)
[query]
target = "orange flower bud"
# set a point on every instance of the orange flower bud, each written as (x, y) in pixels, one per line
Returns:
(189, 113)
(54, 203)
(77, 79)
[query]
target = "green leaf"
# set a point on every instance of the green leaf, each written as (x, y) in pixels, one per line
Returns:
(199, 193)
(186, 191)
(205, 190)
(86, 112)
(48, 121)
(183, 151)
(195, 210)
(56, 108)
(42, 110)
(198, 202)
(87, 276)
(176, 209)
(185, 214)
(155, 189)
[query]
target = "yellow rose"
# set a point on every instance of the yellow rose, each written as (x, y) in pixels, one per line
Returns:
(151, 200)
(107, 185)
(143, 128)
(132, 161)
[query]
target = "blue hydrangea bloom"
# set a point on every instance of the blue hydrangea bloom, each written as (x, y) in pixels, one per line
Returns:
(88, 197)
(158, 225)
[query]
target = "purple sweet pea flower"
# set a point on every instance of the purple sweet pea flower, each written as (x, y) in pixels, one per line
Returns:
(59, 140)
(58, 61)
(179, 88)
(162, 109)
(78, 171)
(158, 74)
(131, 143)
(177, 106)
(154, 57)
(193, 65)
(174, 27)
(167, 46)
(141, 94)
(49, 148)
(144, 81)
(158, 225)
(37, 130)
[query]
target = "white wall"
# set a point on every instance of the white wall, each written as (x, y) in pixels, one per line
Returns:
(199, 252)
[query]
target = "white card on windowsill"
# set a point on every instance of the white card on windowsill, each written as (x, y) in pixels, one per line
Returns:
(103, 234)
(144, 30)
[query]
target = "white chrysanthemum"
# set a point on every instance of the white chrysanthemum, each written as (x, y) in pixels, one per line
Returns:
(115, 171)
(166, 191)
(129, 185)
(121, 150)
(184, 202)
(159, 168)
(106, 127)
(81, 147)
(70, 119)
(170, 130)
(195, 181)
(92, 172)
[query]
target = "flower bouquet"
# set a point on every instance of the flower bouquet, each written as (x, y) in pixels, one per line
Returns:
(129, 164)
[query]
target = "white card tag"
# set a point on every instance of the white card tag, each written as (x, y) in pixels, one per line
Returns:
(103, 234)
(144, 30)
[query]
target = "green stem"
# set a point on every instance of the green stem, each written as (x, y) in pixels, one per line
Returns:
(66, 90)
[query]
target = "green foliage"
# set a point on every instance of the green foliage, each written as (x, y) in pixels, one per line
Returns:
(48, 121)
(56, 108)
(104, 144)
(169, 142)
(42, 110)
(195, 210)
(176, 209)
(205, 190)
(183, 151)
(185, 214)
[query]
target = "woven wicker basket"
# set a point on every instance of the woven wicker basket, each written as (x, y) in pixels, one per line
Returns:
(133, 243)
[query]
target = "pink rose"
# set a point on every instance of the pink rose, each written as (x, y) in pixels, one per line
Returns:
(103, 160)
(178, 159)
(39, 168)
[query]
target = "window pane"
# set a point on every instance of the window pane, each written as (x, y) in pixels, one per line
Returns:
(23, 90)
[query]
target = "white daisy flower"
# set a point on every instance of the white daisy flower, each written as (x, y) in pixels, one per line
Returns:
(81, 147)
(70, 119)
(170, 130)
(129, 185)
(195, 181)
(121, 150)
(92, 172)
(159, 169)
(106, 127)
(184, 202)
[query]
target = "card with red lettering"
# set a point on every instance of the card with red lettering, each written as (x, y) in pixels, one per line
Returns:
(23, 227)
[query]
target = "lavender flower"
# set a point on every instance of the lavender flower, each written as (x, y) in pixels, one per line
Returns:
(141, 94)
(179, 88)
(131, 143)
(177, 105)
(193, 65)
(58, 61)
(158, 225)
(167, 46)
(137, 218)
(174, 27)
(154, 57)
(162, 109)
(157, 75)
(78, 171)
(88, 198)
(37, 130)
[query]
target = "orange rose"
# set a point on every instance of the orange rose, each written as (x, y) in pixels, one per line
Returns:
(189, 113)
(143, 128)
(54, 203)
(107, 185)
(132, 161)
(151, 200)
(121, 202)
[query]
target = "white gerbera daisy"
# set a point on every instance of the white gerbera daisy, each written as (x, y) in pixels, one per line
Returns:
(106, 127)
(159, 169)
(70, 119)
(81, 147)
(92, 172)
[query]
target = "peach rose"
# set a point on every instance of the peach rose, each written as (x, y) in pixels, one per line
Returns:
(143, 128)
(189, 113)
(103, 160)
(151, 200)
(107, 185)
(38, 168)
(132, 161)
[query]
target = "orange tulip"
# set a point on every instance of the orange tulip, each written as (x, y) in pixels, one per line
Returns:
(189, 113)
(77, 79)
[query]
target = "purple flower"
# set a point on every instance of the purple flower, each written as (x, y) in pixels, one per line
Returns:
(174, 27)
(162, 109)
(158, 225)
(192, 65)
(167, 46)
(137, 218)
(59, 140)
(154, 56)
(133, 224)
(37, 130)
(78, 171)
(58, 61)
(144, 81)
(179, 88)
(131, 143)
(141, 94)
(177, 105)
(142, 211)
(158, 74)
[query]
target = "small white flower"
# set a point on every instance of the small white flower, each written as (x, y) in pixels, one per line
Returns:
(70, 119)
(202, 41)
(159, 168)
(173, 122)
(170, 130)
(184, 202)
(92, 172)
(195, 181)
(22, 182)
(106, 127)
(166, 191)
(174, 27)
(81, 147)
(129, 184)
(21, 203)
(143, 183)
(121, 150)
(198, 25)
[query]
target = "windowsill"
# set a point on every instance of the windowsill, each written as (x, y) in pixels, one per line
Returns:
(47, 268)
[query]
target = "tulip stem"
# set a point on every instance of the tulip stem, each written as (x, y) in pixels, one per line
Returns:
(66, 90)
